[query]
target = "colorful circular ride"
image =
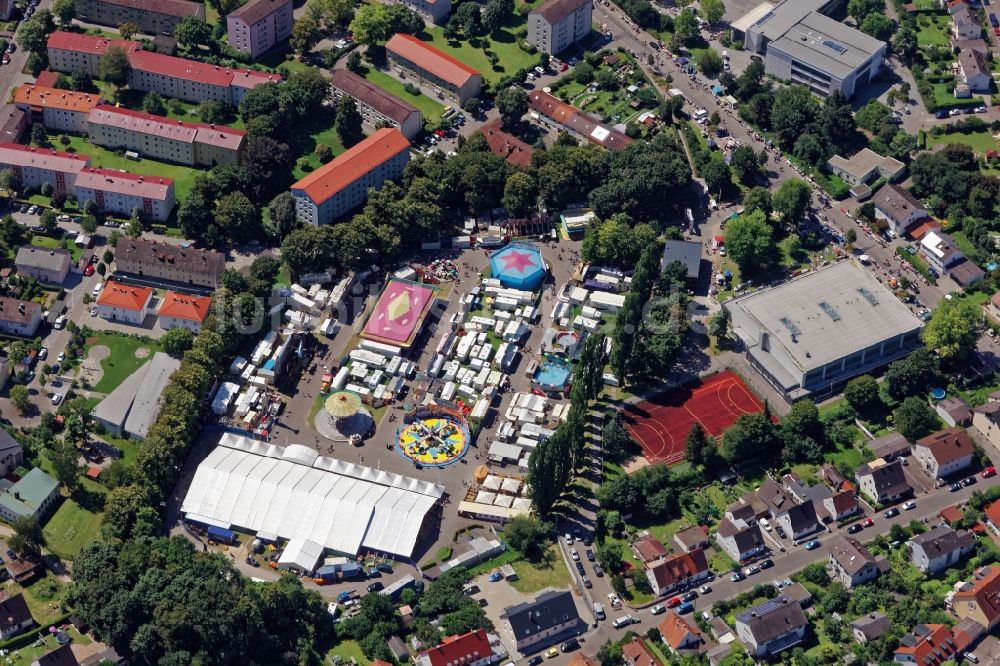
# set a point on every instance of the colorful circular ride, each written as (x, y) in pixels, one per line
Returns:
(433, 436)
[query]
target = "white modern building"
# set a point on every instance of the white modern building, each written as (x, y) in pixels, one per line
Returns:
(292, 492)
(558, 24)
(801, 44)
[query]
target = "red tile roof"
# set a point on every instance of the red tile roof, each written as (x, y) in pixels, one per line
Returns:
(126, 297)
(947, 445)
(463, 649)
(680, 567)
(435, 61)
(637, 654)
(844, 501)
(984, 588)
(192, 70)
(568, 115)
(183, 306)
(554, 11)
(675, 630)
(993, 513)
(331, 178)
(950, 514)
(930, 644)
(75, 41)
(30, 94)
(649, 548)
(14, 154)
(180, 8)
(506, 145)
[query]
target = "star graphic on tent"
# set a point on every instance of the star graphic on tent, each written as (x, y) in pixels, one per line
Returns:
(518, 260)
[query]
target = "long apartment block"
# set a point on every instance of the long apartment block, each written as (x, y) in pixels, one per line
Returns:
(170, 76)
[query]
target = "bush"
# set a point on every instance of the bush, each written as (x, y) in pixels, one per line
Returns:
(412, 89)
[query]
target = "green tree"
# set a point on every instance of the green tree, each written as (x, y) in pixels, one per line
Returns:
(862, 393)
(583, 72)
(878, 26)
(717, 175)
(65, 461)
(214, 112)
(712, 10)
(512, 103)
(686, 25)
(914, 418)
(238, 217)
(719, 324)
(65, 11)
(114, 67)
(529, 535)
(176, 341)
(746, 166)
(20, 398)
(281, 214)
(750, 243)
(348, 122)
(128, 29)
(953, 328)
(28, 538)
(696, 445)
(609, 554)
(354, 63)
(794, 111)
(913, 375)
(792, 200)
(520, 194)
(751, 437)
(759, 198)
(305, 34)
(191, 31)
(153, 103)
(34, 33)
(710, 63)
(859, 9)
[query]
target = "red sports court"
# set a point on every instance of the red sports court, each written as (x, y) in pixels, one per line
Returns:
(661, 424)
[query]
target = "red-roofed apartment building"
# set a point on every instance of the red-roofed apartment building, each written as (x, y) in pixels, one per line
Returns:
(163, 138)
(77, 52)
(62, 110)
(979, 599)
(183, 311)
(928, 645)
(155, 17)
(339, 187)
(558, 24)
(259, 25)
(670, 573)
(471, 649)
(568, 118)
(170, 76)
(124, 303)
(993, 517)
(120, 192)
(34, 166)
(376, 105)
(434, 68)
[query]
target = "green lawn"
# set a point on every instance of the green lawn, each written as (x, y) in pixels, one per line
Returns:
(49, 242)
(963, 243)
(128, 447)
(978, 141)
(71, 528)
(503, 43)
(935, 32)
(318, 130)
(30, 653)
(122, 361)
(430, 108)
(944, 97)
(182, 176)
(532, 577)
(44, 598)
(347, 649)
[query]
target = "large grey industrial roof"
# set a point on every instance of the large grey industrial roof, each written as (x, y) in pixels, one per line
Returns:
(777, 21)
(827, 45)
(827, 314)
(134, 403)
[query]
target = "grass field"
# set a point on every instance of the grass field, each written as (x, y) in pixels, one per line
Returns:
(932, 30)
(502, 42)
(429, 108)
(551, 572)
(347, 649)
(52, 243)
(128, 447)
(71, 528)
(944, 97)
(319, 130)
(122, 361)
(44, 597)
(30, 653)
(182, 176)
(978, 141)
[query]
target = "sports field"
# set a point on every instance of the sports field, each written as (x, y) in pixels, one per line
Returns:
(661, 424)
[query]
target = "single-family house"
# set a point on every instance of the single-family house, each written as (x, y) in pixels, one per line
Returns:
(842, 505)
(965, 24)
(974, 70)
(940, 548)
(944, 453)
(689, 538)
(898, 208)
(739, 540)
(680, 636)
(926, 645)
(993, 517)
(15, 616)
(889, 447)
(954, 411)
(636, 653)
(771, 627)
(882, 481)
(986, 419)
(851, 563)
(870, 627)
(979, 599)
(648, 548)
(125, 303)
(679, 570)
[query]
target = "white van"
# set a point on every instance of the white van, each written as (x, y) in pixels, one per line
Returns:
(599, 611)
(766, 525)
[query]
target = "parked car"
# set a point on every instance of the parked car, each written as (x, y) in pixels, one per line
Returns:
(812, 545)
(590, 555)
(613, 598)
(954, 487)
(674, 602)
(657, 609)
(598, 571)
(534, 661)
(690, 596)
(909, 505)
(574, 554)
(89, 270)
(751, 570)
(868, 522)
(704, 589)
(766, 564)
(737, 577)
(989, 471)
(587, 583)
(685, 607)
(855, 528)
(552, 653)
(56, 398)
(375, 587)
(891, 513)
(495, 577)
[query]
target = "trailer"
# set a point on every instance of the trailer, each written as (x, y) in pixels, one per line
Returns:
(407, 582)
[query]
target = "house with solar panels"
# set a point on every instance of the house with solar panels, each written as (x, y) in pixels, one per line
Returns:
(800, 43)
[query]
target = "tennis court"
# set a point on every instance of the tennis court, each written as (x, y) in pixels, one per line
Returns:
(661, 424)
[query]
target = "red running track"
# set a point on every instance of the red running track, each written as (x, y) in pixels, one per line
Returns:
(661, 424)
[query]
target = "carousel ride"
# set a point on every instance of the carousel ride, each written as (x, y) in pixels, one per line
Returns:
(433, 436)
(344, 418)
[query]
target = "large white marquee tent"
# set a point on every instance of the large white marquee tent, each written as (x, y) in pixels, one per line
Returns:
(295, 493)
